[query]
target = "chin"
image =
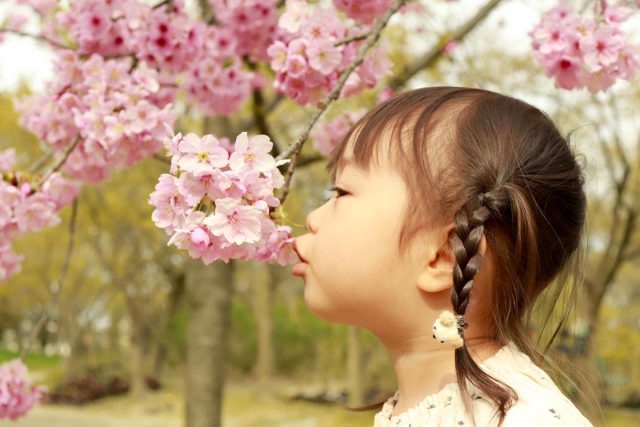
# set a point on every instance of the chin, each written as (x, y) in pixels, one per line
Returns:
(322, 308)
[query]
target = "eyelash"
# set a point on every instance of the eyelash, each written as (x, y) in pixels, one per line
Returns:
(338, 192)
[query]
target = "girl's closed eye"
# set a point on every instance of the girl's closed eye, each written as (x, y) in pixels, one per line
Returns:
(337, 192)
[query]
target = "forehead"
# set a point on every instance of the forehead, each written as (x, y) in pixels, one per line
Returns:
(365, 150)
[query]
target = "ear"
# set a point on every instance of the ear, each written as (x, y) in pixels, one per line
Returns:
(437, 273)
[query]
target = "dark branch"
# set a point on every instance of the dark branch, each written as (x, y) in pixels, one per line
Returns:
(37, 37)
(55, 291)
(162, 159)
(309, 160)
(430, 57)
(351, 38)
(58, 164)
(293, 150)
(41, 161)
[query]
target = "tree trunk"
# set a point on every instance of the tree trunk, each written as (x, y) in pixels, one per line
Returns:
(175, 298)
(137, 370)
(355, 367)
(209, 290)
(263, 300)
(137, 348)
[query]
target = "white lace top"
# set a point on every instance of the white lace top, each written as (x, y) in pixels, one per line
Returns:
(540, 402)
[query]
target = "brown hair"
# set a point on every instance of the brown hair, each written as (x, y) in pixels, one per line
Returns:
(501, 170)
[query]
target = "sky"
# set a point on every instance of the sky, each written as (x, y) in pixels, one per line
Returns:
(25, 58)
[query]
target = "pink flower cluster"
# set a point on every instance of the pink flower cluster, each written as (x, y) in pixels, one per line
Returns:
(252, 23)
(17, 395)
(585, 52)
(25, 208)
(43, 7)
(307, 60)
(204, 60)
(112, 111)
(327, 134)
(216, 202)
(362, 11)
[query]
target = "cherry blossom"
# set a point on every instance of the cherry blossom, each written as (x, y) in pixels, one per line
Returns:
(219, 206)
(308, 55)
(362, 11)
(328, 133)
(583, 51)
(252, 154)
(17, 395)
(252, 22)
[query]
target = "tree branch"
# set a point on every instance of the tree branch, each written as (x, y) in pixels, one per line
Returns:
(37, 37)
(58, 164)
(41, 161)
(611, 261)
(293, 150)
(58, 284)
(309, 160)
(162, 159)
(430, 57)
(351, 38)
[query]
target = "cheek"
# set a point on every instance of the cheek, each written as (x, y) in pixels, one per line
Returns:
(352, 271)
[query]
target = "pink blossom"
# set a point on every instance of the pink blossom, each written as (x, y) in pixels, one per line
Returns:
(363, 11)
(323, 55)
(43, 7)
(295, 10)
(278, 53)
(599, 80)
(582, 51)
(237, 223)
(61, 191)
(374, 67)
(296, 65)
(386, 93)
(7, 159)
(169, 202)
(17, 395)
(279, 247)
(601, 48)
(252, 154)
(35, 212)
(10, 195)
(328, 133)
(194, 185)
(9, 265)
(200, 238)
(142, 116)
(449, 46)
(16, 21)
(568, 72)
(628, 62)
(201, 154)
(617, 14)
(252, 22)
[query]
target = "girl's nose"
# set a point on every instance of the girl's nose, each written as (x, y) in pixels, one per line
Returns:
(314, 219)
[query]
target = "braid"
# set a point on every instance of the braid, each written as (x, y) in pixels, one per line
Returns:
(465, 244)
(469, 224)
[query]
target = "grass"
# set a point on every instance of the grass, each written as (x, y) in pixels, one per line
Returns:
(43, 370)
(33, 361)
(245, 403)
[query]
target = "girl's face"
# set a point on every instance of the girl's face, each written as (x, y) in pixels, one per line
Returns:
(353, 270)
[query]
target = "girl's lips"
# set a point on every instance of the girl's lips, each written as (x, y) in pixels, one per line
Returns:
(299, 269)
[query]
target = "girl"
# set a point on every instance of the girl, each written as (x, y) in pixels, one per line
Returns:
(453, 209)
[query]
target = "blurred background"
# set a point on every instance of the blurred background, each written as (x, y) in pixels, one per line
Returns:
(114, 350)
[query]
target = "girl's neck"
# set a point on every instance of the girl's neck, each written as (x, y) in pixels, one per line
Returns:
(423, 366)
